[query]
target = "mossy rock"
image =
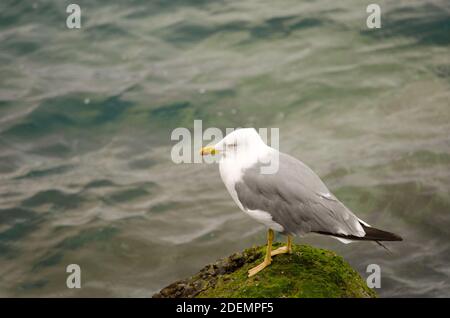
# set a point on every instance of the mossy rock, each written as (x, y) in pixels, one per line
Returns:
(307, 272)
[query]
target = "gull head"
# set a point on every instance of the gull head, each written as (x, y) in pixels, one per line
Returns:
(244, 142)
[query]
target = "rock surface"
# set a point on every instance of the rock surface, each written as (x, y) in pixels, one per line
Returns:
(307, 272)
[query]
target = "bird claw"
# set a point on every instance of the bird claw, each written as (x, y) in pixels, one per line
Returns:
(255, 270)
(281, 250)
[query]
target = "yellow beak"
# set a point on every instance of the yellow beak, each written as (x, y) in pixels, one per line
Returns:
(208, 151)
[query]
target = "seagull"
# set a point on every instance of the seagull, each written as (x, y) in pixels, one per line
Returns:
(291, 200)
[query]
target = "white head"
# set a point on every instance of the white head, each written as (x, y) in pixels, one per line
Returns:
(242, 143)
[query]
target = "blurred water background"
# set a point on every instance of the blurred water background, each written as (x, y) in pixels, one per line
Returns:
(86, 115)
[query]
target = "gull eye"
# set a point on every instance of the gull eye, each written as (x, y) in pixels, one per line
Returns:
(233, 145)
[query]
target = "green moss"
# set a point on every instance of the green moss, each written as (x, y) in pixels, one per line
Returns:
(307, 272)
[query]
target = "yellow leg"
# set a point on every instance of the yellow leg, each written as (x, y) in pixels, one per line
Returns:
(267, 258)
(284, 249)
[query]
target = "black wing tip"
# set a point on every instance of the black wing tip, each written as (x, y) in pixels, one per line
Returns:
(374, 234)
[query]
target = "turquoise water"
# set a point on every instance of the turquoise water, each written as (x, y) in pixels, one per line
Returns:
(86, 116)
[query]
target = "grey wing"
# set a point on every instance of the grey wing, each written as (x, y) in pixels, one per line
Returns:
(296, 199)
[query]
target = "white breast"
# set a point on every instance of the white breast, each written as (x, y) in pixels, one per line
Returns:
(230, 176)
